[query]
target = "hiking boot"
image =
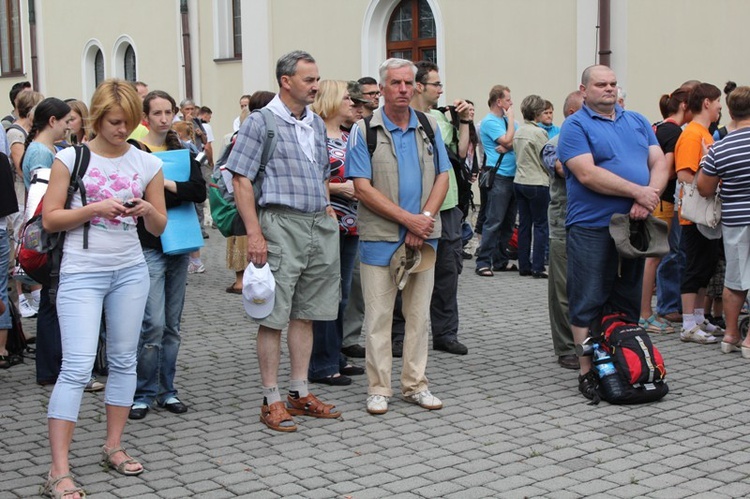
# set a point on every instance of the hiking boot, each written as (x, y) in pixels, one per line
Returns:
(587, 384)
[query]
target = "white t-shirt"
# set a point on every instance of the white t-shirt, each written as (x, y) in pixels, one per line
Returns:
(112, 244)
(209, 133)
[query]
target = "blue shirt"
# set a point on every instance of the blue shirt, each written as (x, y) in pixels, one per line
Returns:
(729, 159)
(491, 128)
(409, 179)
(620, 146)
(37, 156)
(4, 144)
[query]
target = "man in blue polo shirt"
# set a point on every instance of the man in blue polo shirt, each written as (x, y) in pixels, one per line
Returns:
(400, 190)
(613, 165)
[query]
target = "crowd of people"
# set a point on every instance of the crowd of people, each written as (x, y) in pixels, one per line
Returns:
(356, 221)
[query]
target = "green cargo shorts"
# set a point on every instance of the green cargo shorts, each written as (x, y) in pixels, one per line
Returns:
(303, 253)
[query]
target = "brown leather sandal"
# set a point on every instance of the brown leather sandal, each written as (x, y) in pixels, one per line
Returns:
(311, 406)
(274, 415)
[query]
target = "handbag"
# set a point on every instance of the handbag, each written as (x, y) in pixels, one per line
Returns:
(487, 176)
(696, 208)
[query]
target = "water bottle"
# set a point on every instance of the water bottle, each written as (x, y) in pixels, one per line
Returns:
(608, 378)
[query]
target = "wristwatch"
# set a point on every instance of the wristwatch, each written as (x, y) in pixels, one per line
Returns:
(427, 214)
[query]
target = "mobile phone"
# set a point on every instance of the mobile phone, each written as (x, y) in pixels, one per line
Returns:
(129, 204)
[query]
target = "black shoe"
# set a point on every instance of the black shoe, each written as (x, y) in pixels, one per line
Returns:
(332, 380)
(398, 348)
(354, 351)
(351, 370)
(587, 384)
(540, 275)
(138, 412)
(175, 407)
(204, 234)
(524, 273)
(466, 255)
(569, 361)
(451, 346)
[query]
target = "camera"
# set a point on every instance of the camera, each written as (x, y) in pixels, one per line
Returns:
(129, 204)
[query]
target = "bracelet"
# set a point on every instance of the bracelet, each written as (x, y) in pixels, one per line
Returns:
(466, 122)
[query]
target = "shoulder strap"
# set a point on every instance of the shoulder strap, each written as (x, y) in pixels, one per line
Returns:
(139, 145)
(20, 128)
(269, 144)
(371, 135)
(426, 126)
(83, 156)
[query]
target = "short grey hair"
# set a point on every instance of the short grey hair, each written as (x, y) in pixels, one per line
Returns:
(395, 63)
(186, 102)
(532, 107)
(287, 63)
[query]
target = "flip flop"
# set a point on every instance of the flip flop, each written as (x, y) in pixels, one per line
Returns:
(484, 272)
(233, 290)
(508, 267)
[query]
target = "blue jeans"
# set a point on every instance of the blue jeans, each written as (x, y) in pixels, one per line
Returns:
(160, 332)
(498, 225)
(5, 320)
(326, 358)
(669, 273)
(533, 201)
(598, 280)
(122, 293)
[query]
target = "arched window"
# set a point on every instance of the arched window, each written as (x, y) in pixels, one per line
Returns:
(411, 32)
(98, 68)
(129, 63)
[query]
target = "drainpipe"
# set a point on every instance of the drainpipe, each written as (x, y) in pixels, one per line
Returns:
(604, 33)
(186, 49)
(32, 40)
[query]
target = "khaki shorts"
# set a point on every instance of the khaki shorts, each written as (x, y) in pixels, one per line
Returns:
(303, 252)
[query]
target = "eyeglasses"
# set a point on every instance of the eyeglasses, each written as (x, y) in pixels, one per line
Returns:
(372, 94)
(435, 84)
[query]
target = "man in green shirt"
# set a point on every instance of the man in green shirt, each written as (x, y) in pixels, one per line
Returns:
(449, 262)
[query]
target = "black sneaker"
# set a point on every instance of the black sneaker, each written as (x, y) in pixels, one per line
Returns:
(587, 384)
(355, 351)
(466, 255)
(451, 346)
(398, 348)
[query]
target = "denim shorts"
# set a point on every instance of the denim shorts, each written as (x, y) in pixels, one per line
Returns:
(599, 281)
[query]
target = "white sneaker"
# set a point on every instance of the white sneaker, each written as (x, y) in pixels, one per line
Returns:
(196, 268)
(424, 399)
(697, 335)
(27, 311)
(377, 404)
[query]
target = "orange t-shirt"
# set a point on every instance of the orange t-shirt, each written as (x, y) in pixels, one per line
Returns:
(688, 151)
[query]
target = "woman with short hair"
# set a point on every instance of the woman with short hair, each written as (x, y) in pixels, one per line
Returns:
(531, 185)
(102, 268)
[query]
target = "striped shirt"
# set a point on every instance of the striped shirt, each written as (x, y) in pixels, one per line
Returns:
(291, 179)
(729, 159)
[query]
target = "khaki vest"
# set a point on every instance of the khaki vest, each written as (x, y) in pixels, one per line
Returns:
(371, 226)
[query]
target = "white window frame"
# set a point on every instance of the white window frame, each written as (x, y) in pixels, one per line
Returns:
(88, 61)
(118, 56)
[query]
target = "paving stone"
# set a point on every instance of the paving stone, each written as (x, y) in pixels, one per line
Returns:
(493, 438)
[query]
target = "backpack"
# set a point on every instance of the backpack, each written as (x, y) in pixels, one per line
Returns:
(639, 364)
(40, 253)
(223, 207)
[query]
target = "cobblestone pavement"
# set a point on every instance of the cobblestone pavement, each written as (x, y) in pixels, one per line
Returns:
(513, 425)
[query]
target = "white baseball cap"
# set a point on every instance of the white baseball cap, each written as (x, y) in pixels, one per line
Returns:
(258, 291)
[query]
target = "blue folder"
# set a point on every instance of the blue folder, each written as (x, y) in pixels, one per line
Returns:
(183, 231)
